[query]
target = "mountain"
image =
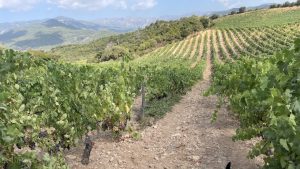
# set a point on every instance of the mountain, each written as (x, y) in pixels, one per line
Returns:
(70, 23)
(49, 33)
(124, 24)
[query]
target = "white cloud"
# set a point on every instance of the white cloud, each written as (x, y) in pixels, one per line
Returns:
(18, 5)
(89, 4)
(100, 4)
(23, 5)
(144, 4)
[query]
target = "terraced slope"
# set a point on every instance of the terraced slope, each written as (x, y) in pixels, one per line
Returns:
(230, 43)
(265, 17)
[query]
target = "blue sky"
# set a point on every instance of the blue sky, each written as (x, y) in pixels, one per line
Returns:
(19, 10)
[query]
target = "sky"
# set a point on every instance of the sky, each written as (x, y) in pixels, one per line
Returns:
(24, 10)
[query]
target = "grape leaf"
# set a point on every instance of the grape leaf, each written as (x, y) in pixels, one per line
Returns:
(284, 144)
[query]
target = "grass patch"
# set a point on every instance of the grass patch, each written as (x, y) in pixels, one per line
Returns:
(157, 109)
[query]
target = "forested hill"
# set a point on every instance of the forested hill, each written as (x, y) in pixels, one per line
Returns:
(135, 43)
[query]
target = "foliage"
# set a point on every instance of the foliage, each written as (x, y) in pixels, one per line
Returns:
(46, 106)
(242, 9)
(233, 12)
(112, 53)
(264, 94)
(286, 4)
(214, 16)
(138, 42)
(42, 54)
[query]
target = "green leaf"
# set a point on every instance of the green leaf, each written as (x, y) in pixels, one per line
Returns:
(7, 139)
(291, 166)
(22, 108)
(297, 45)
(3, 108)
(284, 144)
(17, 86)
(296, 106)
(293, 120)
(282, 162)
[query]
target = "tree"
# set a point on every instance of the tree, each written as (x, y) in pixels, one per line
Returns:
(242, 9)
(112, 53)
(273, 6)
(214, 16)
(233, 13)
(286, 4)
(298, 3)
(205, 22)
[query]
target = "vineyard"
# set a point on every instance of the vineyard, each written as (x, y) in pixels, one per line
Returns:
(227, 44)
(47, 107)
(260, 18)
(264, 95)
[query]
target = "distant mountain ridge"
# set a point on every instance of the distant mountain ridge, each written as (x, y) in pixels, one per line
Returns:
(49, 33)
(70, 23)
(63, 30)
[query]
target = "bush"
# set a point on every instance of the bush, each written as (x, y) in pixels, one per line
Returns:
(112, 53)
(205, 22)
(214, 16)
(242, 9)
(233, 13)
(264, 94)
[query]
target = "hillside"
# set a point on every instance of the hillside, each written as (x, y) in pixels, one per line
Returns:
(264, 17)
(228, 44)
(88, 52)
(135, 43)
(46, 34)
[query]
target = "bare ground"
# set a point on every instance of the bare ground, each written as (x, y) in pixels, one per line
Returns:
(229, 42)
(223, 46)
(185, 138)
(189, 47)
(201, 49)
(215, 46)
(235, 40)
(195, 46)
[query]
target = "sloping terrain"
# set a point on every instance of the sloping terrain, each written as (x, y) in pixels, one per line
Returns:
(47, 34)
(264, 17)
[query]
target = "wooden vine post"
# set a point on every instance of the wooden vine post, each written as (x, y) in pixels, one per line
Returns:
(142, 112)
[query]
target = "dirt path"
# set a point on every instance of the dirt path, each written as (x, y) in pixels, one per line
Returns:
(184, 138)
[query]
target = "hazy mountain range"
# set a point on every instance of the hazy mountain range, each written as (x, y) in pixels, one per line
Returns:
(48, 33)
